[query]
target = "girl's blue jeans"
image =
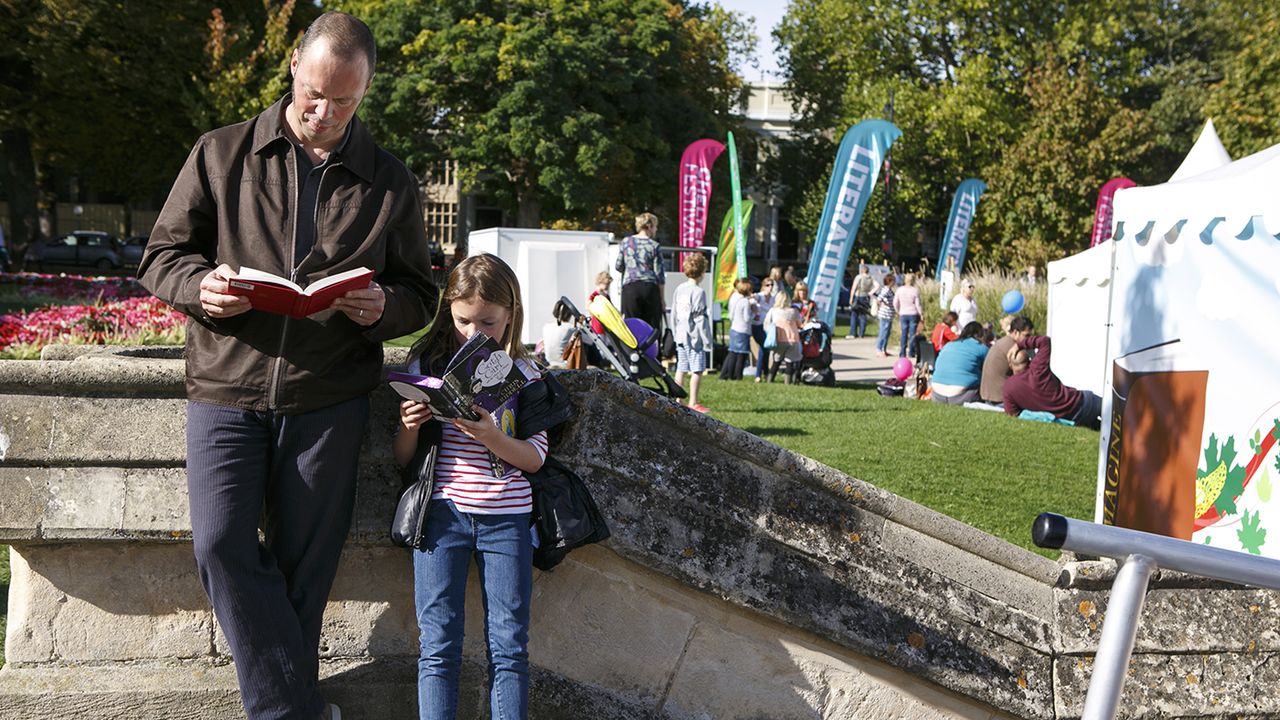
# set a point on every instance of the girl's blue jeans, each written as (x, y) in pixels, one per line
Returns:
(504, 556)
(882, 337)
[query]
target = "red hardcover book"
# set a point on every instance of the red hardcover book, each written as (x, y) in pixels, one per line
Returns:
(274, 294)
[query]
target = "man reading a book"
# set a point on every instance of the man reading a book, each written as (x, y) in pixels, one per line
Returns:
(277, 403)
(1035, 387)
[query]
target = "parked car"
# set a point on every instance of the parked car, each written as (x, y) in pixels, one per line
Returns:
(131, 251)
(82, 248)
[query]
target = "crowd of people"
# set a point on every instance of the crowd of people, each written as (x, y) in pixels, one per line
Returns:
(972, 362)
(764, 325)
(1011, 373)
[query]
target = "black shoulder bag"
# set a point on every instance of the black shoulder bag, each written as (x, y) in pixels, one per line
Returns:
(418, 482)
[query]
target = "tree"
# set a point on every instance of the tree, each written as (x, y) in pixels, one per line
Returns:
(555, 108)
(1042, 191)
(955, 71)
(967, 77)
(1243, 104)
(240, 78)
(118, 101)
(93, 96)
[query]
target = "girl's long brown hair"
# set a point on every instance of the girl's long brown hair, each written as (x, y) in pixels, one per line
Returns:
(485, 277)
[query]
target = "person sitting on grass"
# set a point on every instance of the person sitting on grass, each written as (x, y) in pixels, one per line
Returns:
(944, 332)
(1033, 386)
(556, 336)
(692, 328)
(995, 371)
(959, 368)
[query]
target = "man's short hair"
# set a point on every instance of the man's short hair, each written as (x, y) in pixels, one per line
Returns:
(348, 37)
(1021, 323)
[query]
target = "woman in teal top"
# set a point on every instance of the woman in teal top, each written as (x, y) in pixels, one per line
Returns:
(958, 371)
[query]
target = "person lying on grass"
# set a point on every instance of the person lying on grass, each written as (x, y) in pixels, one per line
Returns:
(1033, 386)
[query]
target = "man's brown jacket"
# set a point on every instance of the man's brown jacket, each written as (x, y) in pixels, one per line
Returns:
(235, 202)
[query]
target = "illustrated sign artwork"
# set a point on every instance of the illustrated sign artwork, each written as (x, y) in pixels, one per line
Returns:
(1192, 411)
(727, 265)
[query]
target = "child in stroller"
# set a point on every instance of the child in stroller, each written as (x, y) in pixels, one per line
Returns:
(815, 354)
(629, 346)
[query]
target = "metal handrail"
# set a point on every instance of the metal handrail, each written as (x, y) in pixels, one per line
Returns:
(1141, 554)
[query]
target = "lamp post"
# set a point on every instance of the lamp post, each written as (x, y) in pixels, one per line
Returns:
(886, 245)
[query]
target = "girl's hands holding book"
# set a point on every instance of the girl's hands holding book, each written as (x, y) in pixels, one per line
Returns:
(414, 414)
(483, 431)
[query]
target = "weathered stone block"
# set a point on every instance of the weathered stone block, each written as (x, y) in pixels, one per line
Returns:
(598, 621)
(1177, 685)
(78, 603)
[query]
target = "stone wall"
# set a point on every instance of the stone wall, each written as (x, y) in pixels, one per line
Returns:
(742, 581)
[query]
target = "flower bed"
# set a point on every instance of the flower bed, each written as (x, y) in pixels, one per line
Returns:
(134, 321)
(63, 287)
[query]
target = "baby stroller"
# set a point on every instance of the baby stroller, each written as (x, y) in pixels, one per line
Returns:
(619, 345)
(815, 355)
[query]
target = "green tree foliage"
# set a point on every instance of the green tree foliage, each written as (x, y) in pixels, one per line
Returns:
(1243, 104)
(243, 73)
(1042, 190)
(95, 90)
(557, 109)
(115, 94)
(1044, 101)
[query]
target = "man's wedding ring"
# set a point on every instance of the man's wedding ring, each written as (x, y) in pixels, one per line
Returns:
(361, 313)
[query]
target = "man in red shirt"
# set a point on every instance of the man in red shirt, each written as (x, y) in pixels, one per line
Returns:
(1033, 386)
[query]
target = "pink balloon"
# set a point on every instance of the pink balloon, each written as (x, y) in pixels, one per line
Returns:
(902, 368)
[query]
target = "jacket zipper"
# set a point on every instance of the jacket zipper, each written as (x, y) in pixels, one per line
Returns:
(277, 372)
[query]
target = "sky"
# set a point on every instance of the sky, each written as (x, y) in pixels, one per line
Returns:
(767, 13)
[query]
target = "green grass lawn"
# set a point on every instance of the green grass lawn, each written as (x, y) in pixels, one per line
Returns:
(986, 469)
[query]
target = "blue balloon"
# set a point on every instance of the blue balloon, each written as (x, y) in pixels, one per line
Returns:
(1012, 301)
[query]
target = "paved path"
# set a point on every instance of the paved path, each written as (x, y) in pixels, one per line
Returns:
(854, 360)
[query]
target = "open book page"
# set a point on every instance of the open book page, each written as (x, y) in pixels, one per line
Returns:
(248, 277)
(351, 277)
(480, 373)
(443, 399)
(275, 294)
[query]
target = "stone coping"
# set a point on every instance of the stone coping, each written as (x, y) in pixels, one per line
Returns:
(90, 371)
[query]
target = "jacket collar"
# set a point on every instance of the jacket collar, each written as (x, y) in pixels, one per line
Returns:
(357, 155)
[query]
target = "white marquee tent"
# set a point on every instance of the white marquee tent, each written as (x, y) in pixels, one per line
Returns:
(1080, 285)
(1191, 411)
(1079, 293)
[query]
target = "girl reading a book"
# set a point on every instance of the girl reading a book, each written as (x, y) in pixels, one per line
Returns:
(480, 505)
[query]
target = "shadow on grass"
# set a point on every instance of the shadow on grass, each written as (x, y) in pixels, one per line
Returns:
(805, 410)
(767, 432)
